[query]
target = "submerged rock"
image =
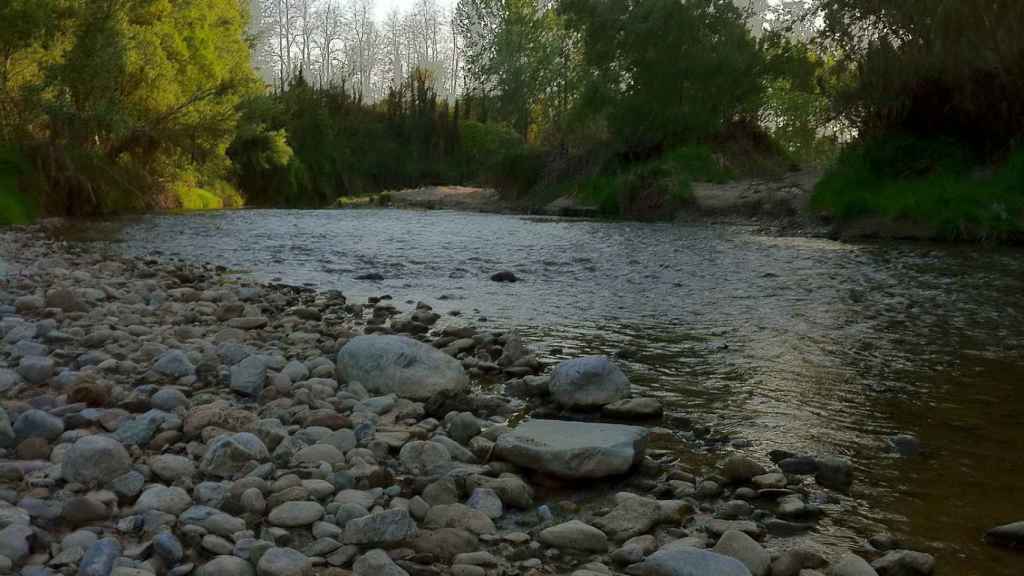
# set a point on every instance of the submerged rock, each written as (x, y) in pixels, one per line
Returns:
(573, 449)
(588, 382)
(1009, 535)
(400, 365)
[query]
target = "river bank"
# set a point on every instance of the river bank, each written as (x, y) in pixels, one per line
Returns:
(194, 372)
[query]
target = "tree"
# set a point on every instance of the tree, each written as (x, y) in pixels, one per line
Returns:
(933, 69)
(667, 72)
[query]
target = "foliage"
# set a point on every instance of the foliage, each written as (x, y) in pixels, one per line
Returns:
(15, 207)
(119, 103)
(654, 189)
(933, 69)
(925, 181)
(666, 72)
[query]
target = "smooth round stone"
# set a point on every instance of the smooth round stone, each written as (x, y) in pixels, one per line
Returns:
(296, 514)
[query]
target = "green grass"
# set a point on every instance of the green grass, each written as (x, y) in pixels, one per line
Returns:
(217, 196)
(651, 189)
(15, 208)
(925, 183)
(198, 199)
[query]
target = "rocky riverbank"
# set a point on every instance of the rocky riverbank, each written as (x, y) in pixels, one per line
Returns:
(166, 419)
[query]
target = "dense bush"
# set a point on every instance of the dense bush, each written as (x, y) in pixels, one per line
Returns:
(926, 182)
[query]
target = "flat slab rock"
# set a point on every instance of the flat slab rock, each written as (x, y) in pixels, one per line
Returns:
(573, 449)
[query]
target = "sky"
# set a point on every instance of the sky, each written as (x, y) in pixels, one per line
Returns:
(385, 6)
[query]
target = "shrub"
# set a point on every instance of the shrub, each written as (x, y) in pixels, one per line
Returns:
(925, 182)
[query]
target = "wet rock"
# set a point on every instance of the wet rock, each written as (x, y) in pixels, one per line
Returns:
(174, 364)
(283, 562)
(249, 376)
(90, 392)
(635, 549)
(634, 409)
(95, 459)
(905, 445)
(100, 557)
(462, 427)
(444, 543)
(851, 565)
(36, 369)
(792, 561)
(459, 516)
(487, 501)
(512, 490)
(14, 541)
(170, 467)
(38, 424)
(1009, 535)
(168, 547)
(743, 548)
(834, 472)
(504, 276)
(376, 563)
(227, 455)
(904, 563)
(66, 299)
(588, 382)
(219, 415)
(575, 535)
(684, 561)
(168, 499)
(401, 366)
(226, 566)
(632, 516)
(319, 453)
(84, 510)
(128, 485)
(382, 529)
(799, 465)
(295, 514)
(573, 449)
(738, 469)
(424, 457)
(169, 400)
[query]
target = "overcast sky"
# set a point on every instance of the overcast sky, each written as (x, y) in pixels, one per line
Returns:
(385, 6)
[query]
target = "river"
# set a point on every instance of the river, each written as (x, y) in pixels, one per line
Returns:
(793, 343)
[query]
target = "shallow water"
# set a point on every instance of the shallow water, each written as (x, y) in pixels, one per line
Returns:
(803, 344)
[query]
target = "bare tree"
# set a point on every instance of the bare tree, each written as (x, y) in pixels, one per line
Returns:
(327, 37)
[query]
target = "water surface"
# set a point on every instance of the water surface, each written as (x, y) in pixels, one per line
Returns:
(802, 344)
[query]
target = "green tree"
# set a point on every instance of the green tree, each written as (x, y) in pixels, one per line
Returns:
(932, 68)
(665, 71)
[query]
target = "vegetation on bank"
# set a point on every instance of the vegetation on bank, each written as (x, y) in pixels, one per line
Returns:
(931, 184)
(916, 108)
(120, 105)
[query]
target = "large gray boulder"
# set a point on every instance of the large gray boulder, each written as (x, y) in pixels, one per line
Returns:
(573, 449)
(227, 455)
(588, 382)
(683, 561)
(95, 459)
(400, 365)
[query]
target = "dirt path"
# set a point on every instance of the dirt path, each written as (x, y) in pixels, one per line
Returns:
(450, 198)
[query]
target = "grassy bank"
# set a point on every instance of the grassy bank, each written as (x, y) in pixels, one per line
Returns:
(917, 188)
(15, 206)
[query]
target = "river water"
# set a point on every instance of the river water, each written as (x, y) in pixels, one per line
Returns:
(802, 344)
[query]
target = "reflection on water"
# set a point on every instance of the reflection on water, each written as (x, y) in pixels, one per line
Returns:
(802, 344)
